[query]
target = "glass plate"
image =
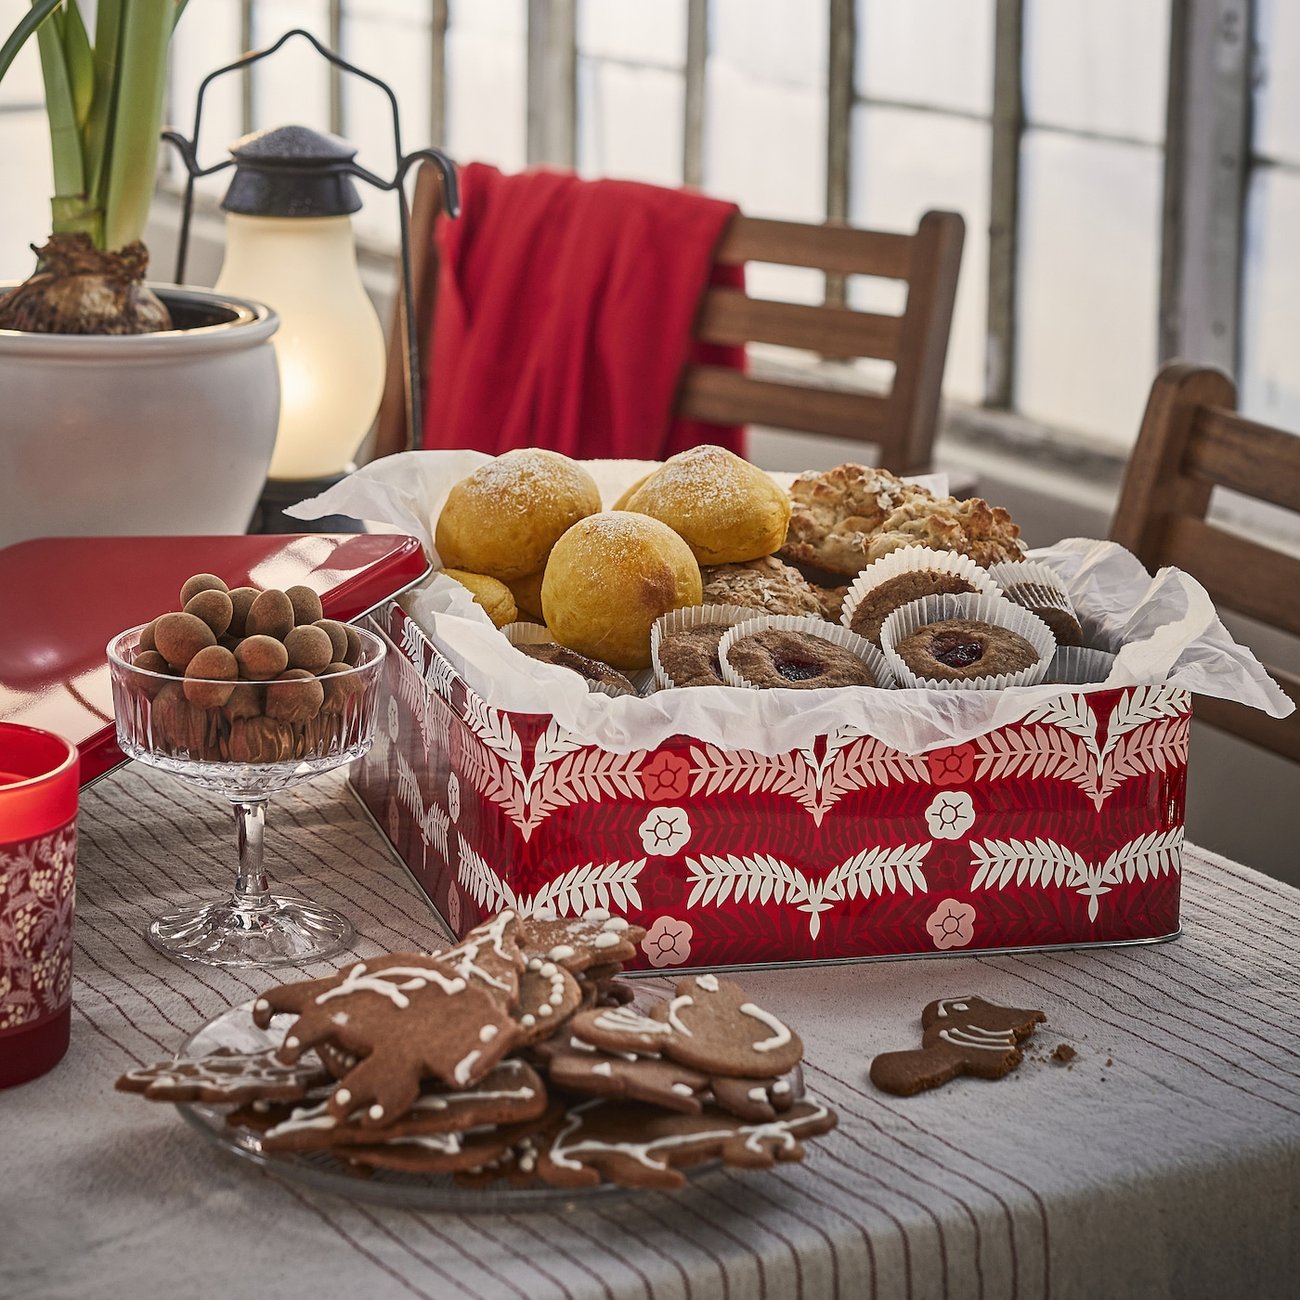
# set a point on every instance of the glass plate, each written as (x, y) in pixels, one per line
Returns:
(318, 1169)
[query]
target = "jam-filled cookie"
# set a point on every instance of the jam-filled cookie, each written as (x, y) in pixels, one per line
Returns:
(776, 657)
(958, 649)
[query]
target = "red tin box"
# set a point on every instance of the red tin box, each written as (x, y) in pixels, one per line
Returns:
(1064, 828)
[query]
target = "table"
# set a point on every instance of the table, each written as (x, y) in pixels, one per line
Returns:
(1164, 1161)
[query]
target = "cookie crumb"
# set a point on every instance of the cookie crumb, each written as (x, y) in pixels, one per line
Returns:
(1109, 1062)
(1063, 1054)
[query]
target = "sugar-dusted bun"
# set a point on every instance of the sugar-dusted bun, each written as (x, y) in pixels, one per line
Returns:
(491, 593)
(504, 518)
(609, 577)
(725, 509)
(629, 492)
(527, 592)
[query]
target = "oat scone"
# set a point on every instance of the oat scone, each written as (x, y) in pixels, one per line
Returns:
(972, 527)
(834, 513)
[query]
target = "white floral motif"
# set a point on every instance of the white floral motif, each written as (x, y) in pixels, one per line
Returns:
(394, 719)
(453, 796)
(950, 815)
(665, 831)
(454, 914)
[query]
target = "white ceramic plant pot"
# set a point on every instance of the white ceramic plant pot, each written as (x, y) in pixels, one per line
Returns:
(146, 434)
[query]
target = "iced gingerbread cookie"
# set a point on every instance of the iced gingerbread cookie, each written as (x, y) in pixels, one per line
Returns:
(639, 1146)
(579, 942)
(225, 1076)
(511, 1092)
(651, 1079)
(964, 1035)
(407, 1017)
(716, 1028)
(752, 1099)
(548, 996)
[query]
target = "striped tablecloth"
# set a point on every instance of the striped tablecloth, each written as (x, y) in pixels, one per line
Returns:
(1164, 1161)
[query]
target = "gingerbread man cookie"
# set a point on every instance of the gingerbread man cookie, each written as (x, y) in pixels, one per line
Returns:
(965, 1035)
(225, 1075)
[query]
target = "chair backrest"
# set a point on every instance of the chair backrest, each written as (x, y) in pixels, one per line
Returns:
(1192, 441)
(901, 422)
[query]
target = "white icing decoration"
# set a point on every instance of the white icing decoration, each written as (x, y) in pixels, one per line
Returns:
(555, 999)
(560, 952)
(629, 1020)
(606, 939)
(386, 983)
(546, 969)
(291, 1041)
(616, 923)
(674, 1020)
(709, 983)
(528, 1021)
(603, 1067)
(988, 1042)
(534, 963)
(780, 1087)
(339, 1018)
(758, 1094)
(545, 1009)
(780, 1034)
(580, 1045)
(463, 1068)
(487, 1033)
(683, 1089)
(755, 1135)
(376, 1112)
(261, 1005)
(596, 914)
(343, 1096)
(957, 1004)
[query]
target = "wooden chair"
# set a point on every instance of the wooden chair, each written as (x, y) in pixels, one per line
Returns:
(901, 422)
(1192, 441)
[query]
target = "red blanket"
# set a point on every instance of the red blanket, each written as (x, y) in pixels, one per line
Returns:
(564, 316)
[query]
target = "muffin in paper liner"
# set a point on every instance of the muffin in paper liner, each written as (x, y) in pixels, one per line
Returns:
(837, 635)
(1038, 589)
(1076, 665)
(680, 620)
(522, 633)
(996, 610)
(894, 568)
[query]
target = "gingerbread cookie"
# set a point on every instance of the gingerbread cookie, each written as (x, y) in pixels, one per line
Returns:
(639, 1146)
(509, 1093)
(621, 1029)
(642, 1078)
(225, 1075)
(579, 942)
(548, 996)
(964, 1035)
(408, 1016)
(717, 1029)
(752, 1099)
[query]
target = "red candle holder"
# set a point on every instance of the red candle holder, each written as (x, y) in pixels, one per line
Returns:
(38, 851)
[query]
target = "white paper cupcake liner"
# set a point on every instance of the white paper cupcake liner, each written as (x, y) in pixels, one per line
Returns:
(522, 633)
(840, 636)
(1036, 584)
(1076, 665)
(911, 559)
(679, 620)
(985, 609)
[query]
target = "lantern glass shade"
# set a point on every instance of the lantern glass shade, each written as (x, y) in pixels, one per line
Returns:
(330, 344)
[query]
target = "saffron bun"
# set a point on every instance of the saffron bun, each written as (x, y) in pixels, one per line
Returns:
(503, 519)
(491, 593)
(527, 592)
(607, 580)
(727, 510)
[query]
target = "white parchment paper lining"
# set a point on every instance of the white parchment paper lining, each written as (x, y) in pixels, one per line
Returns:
(1163, 629)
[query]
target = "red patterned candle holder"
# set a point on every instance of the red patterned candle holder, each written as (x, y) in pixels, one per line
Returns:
(38, 849)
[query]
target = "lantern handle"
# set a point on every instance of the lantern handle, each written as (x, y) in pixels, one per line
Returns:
(188, 150)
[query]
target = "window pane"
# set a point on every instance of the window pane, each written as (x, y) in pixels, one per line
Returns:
(1088, 283)
(779, 42)
(933, 52)
(633, 31)
(487, 82)
(630, 122)
(1277, 88)
(206, 38)
(765, 123)
(26, 183)
(291, 88)
(905, 162)
(1099, 67)
(1270, 333)
(391, 40)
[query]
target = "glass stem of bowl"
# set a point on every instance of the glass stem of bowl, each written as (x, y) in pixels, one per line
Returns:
(252, 889)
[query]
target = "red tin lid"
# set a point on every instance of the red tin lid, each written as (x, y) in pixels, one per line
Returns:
(63, 598)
